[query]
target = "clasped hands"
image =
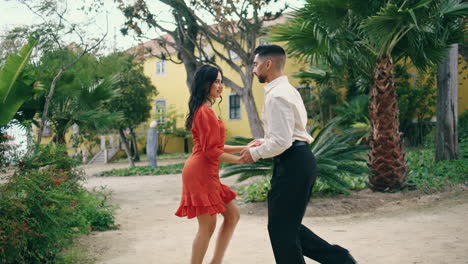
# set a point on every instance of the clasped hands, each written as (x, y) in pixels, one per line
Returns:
(245, 155)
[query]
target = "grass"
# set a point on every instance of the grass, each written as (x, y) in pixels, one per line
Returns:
(165, 156)
(144, 170)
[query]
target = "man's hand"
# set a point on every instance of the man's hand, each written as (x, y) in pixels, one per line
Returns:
(246, 156)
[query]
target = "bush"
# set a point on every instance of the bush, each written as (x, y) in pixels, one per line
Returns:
(428, 175)
(257, 191)
(416, 103)
(463, 126)
(43, 208)
(322, 188)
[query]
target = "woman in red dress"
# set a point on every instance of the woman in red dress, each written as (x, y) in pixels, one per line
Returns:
(203, 194)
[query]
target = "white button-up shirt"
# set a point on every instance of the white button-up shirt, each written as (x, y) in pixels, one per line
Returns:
(284, 119)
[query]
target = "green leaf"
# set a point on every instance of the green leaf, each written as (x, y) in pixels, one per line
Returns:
(15, 89)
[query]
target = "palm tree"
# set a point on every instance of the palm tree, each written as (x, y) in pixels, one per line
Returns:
(373, 35)
(83, 106)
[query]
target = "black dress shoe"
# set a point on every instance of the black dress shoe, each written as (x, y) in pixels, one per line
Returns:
(350, 260)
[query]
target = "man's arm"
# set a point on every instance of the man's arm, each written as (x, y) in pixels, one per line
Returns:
(280, 116)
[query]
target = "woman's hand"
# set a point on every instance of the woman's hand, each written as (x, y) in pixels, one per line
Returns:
(255, 143)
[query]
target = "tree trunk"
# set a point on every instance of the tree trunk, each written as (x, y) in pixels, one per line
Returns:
(29, 140)
(47, 103)
(59, 138)
(186, 145)
(386, 157)
(126, 148)
(252, 114)
(255, 124)
(319, 98)
(447, 107)
(136, 154)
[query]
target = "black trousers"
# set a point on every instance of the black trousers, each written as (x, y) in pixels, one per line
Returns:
(294, 174)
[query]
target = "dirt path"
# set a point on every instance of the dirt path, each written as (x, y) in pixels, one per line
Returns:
(414, 230)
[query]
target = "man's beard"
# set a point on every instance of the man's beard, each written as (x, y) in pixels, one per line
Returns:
(261, 78)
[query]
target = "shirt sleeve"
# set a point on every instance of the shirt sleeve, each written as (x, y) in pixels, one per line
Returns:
(280, 116)
(209, 132)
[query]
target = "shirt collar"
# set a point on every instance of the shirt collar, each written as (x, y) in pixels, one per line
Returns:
(275, 83)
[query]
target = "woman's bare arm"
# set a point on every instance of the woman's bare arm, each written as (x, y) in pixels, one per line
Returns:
(229, 158)
(233, 149)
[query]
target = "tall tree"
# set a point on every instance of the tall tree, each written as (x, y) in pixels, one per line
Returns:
(447, 107)
(134, 94)
(232, 39)
(55, 26)
(80, 94)
(375, 35)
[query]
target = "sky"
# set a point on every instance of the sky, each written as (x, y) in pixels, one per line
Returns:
(13, 13)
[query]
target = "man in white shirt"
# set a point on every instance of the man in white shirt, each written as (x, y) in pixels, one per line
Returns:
(286, 139)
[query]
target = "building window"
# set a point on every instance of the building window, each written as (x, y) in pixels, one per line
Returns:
(160, 67)
(262, 41)
(233, 55)
(234, 107)
(161, 110)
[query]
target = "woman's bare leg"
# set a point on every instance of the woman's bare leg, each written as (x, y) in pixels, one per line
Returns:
(231, 217)
(206, 227)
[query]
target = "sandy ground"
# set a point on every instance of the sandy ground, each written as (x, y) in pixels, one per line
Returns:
(376, 228)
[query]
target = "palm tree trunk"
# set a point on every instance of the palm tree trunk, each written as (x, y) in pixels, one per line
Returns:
(447, 107)
(386, 157)
(319, 98)
(59, 138)
(126, 148)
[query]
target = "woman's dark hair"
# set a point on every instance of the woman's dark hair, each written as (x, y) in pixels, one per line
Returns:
(204, 77)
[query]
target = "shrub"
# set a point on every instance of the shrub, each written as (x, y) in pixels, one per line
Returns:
(257, 191)
(463, 126)
(43, 207)
(428, 175)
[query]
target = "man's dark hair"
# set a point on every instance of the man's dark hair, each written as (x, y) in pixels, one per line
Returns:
(273, 52)
(269, 50)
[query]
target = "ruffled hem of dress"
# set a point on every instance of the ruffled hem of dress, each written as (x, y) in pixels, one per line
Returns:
(197, 204)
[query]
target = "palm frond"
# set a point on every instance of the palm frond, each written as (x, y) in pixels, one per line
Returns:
(336, 154)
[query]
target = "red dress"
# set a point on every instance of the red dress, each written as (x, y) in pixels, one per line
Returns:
(202, 191)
